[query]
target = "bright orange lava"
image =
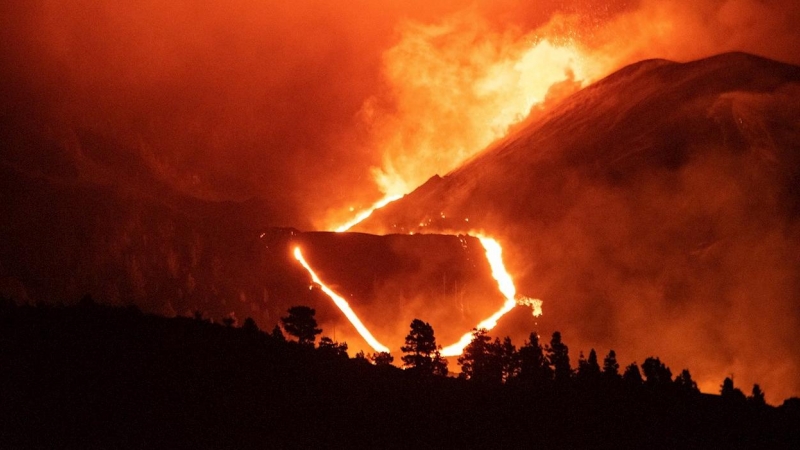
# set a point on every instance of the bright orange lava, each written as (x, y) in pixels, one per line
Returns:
(366, 213)
(343, 306)
(494, 254)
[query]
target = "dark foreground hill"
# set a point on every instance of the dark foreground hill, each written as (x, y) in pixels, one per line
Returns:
(662, 202)
(98, 377)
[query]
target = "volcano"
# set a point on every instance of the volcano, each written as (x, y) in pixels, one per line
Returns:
(656, 211)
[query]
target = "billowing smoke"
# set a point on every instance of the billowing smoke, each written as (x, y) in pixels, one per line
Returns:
(227, 99)
(244, 98)
(319, 106)
(452, 86)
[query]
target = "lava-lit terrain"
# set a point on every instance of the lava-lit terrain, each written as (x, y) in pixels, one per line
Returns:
(655, 211)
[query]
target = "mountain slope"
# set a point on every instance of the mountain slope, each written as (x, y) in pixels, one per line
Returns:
(657, 207)
(83, 213)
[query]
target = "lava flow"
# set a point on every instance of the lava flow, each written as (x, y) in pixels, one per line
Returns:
(343, 306)
(360, 217)
(494, 254)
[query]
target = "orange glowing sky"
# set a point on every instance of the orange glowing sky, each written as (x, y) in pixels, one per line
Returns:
(357, 100)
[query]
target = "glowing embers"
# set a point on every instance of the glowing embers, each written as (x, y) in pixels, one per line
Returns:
(367, 212)
(343, 306)
(494, 254)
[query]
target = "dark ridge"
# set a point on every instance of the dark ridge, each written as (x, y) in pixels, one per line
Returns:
(91, 376)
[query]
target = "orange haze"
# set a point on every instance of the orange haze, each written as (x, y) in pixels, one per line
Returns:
(323, 108)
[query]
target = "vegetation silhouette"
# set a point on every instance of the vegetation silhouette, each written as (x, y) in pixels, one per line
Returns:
(94, 376)
(301, 324)
(422, 354)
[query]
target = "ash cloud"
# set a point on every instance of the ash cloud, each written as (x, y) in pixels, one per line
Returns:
(239, 99)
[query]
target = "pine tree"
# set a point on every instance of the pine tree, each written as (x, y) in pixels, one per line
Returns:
(301, 324)
(329, 347)
(509, 358)
(632, 375)
(382, 358)
(757, 397)
(533, 364)
(685, 384)
(729, 393)
(250, 325)
(588, 369)
(558, 357)
(657, 374)
(421, 351)
(277, 334)
(482, 360)
(610, 366)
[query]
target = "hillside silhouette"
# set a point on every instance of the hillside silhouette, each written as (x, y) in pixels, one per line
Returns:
(92, 376)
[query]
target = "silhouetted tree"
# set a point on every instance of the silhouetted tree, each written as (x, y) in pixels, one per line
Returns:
(533, 364)
(329, 347)
(439, 364)
(558, 357)
(632, 376)
(481, 360)
(509, 358)
(727, 387)
(757, 397)
(685, 384)
(611, 366)
(422, 353)
(362, 358)
(277, 334)
(589, 369)
(729, 393)
(382, 358)
(250, 325)
(301, 324)
(657, 375)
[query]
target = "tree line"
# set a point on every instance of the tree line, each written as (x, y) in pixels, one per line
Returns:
(94, 376)
(494, 361)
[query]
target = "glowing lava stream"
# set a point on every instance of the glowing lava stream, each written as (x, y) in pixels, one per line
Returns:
(494, 254)
(343, 306)
(367, 212)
